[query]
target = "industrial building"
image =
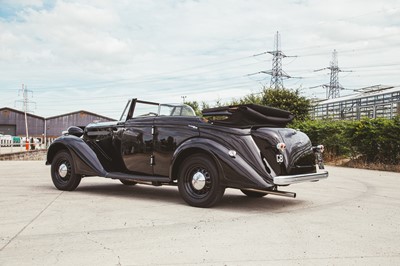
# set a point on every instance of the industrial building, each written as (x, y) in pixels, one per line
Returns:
(372, 102)
(56, 124)
(12, 122)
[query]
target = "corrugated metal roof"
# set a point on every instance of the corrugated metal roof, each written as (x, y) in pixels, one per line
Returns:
(81, 111)
(363, 92)
(20, 112)
(52, 117)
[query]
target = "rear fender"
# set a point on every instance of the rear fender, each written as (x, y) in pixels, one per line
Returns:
(85, 159)
(234, 171)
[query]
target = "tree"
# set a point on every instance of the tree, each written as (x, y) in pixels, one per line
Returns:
(255, 98)
(289, 100)
(285, 99)
(196, 107)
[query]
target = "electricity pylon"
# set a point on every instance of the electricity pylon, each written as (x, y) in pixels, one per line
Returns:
(334, 87)
(25, 103)
(277, 73)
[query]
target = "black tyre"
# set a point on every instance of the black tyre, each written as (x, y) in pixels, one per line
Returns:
(253, 194)
(199, 183)
(128, 182)
(63, 172)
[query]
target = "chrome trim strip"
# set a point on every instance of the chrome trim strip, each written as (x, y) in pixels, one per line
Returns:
(98, 133)
(293, 179)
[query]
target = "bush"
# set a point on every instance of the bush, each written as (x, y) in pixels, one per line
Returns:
(331, 134)
(374, 140)
(377, 140)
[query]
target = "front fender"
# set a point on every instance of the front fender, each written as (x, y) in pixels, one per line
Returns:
(234, 171)
(85, 159)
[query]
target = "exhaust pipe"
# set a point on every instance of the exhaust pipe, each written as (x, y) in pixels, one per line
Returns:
(274, 192)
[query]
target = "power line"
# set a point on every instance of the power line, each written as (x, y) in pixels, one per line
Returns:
(155, 77)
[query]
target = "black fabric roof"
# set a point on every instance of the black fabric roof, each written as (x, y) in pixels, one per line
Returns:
(248, 115)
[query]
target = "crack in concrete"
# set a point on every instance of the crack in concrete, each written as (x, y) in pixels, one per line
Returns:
(104, 247)
(30, 222)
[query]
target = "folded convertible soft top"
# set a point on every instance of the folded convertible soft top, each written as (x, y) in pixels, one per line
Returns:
(248, 115)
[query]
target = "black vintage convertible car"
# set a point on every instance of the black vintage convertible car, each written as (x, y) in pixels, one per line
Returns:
(245, 147)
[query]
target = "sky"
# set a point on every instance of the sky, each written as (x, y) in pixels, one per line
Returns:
(94, 55)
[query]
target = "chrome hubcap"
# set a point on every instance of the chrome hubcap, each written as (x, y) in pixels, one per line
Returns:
(63, 170)
(198, 181)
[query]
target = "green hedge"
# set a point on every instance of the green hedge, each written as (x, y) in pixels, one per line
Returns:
(376, 140)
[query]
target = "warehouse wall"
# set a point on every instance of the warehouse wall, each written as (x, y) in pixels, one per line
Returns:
(55, 125)
(14, 120)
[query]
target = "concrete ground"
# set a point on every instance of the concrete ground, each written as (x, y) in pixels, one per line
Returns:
(352, 218)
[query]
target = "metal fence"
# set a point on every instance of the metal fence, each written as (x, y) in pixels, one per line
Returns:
(13, 144)
(373, 102)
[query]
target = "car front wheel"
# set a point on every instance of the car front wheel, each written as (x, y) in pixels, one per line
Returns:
(63, 172)
(199, 183)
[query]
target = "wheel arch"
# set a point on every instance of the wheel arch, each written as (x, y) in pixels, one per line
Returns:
(234, 171)
(53, 150)
(184, 153)
(84, 158)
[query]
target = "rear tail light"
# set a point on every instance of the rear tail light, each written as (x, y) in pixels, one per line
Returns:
(281, 146)
(319, 148)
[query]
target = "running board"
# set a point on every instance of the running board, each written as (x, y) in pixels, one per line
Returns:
(274, 192)
(146, 178)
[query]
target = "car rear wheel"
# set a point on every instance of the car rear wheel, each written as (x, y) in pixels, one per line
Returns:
(128, 182)
(253, 194)
(63, 172)
(199, 183)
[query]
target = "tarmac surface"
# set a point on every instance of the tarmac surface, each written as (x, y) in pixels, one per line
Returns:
(351, 218)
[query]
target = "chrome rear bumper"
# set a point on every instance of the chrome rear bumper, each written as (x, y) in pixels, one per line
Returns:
(293, 179)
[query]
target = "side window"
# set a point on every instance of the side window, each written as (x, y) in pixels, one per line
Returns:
(187, 111)
(176, 110)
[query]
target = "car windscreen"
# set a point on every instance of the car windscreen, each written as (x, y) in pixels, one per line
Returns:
(145, 109)
(149, 109)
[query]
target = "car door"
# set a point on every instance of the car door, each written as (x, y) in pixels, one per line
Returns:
(137, 145)
(169, 133)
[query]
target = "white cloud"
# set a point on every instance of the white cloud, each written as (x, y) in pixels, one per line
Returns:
(22, 2)
(152, 49)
